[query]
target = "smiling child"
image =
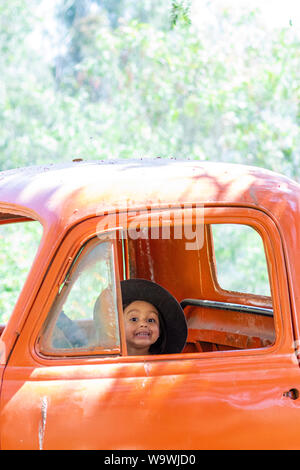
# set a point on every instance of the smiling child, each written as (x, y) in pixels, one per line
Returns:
(154, 320)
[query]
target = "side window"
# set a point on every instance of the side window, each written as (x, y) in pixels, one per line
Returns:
(18, 246)
(84, 316)
(240, 259)
(222, 281)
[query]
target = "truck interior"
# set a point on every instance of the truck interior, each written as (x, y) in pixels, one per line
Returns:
(218, 318)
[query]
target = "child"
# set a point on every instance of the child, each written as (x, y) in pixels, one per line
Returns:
(142, 327)
(154, 320)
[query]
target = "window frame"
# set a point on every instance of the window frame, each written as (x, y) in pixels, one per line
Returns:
(275, 260)
(256, 218)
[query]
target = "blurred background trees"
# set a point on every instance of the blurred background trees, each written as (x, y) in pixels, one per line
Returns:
(99, 79)
(103, 79)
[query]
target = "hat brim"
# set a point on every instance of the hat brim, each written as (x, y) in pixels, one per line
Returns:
(166, 304)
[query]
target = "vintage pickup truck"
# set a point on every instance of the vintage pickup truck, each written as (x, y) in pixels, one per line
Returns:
(224, 240)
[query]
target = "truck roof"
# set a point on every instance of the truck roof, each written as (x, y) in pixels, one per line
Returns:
(72, 191)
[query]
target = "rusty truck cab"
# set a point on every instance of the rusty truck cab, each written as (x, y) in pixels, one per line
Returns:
(216, 236)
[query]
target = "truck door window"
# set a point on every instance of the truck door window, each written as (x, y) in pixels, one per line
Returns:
(84, 317)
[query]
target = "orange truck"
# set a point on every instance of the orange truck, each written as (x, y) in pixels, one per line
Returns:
(223, 239)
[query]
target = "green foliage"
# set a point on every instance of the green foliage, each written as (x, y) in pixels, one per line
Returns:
(18, 246)
(240, 259)
(143, 79)
(180, 13)
(134, 79)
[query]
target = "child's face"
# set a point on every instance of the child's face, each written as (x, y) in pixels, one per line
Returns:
(141, 326)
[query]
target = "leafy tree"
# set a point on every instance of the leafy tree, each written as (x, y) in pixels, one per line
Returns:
(226, 91)
(143, 79)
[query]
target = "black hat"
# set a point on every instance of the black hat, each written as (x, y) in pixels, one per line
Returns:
(169, 309)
